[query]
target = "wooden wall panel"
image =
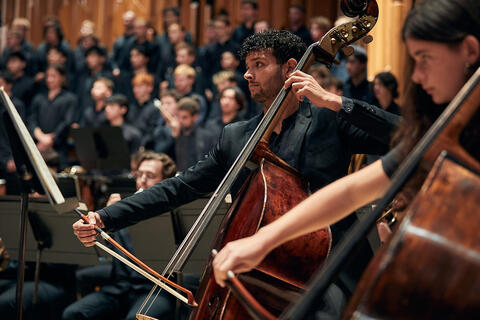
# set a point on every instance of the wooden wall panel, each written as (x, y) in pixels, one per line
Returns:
(107, 14)
(386, 52)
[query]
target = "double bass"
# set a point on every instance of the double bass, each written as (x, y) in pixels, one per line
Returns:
(273, 188)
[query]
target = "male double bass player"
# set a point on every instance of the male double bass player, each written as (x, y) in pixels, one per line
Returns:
(316, 140)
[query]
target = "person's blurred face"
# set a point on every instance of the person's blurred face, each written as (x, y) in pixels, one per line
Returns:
(142, 91)
(55, 57)
(54, 79)
(183, 57)
(175, 33)
(211, 34)
(13, 40)
(221, 29)
(15, 65)
(183, 83)
(260, 26)
(100, 90)
(381, 92)
(169, 17)
(225, 84)
(128, 20)
(228, 104)
(137, 59)
(354, 67)
(140, 29)
(295, 15)
(185, 119)
(94, 60)
(51, 36)
(114, 111)
(317, 32)
(247, 12)
(21, 28)
(148, 174)
(170, 104)
(87, 42)
(228, 61)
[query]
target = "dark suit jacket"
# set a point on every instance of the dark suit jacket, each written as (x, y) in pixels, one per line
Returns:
(316, 141)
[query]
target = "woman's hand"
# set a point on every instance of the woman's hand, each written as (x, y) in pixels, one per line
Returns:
(239, 256)
(86, 232)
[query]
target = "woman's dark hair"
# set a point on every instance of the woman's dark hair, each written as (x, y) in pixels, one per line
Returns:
(60, 68)
(282, 44)
(239, 96)
(142, 49)
(389, 81)
(442, 21)
(53, 22)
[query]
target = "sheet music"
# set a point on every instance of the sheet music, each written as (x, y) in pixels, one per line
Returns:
(46, 179)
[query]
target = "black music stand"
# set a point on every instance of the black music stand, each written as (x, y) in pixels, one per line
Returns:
(34, 176)
(102, 148)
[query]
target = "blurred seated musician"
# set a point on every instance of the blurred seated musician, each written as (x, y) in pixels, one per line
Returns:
(385, 88)
(116, 108)
(193, 141)
(94, 114)
(126, 289)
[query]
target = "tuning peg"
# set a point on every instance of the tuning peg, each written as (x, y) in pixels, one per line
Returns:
(348, 51)
(367, 39)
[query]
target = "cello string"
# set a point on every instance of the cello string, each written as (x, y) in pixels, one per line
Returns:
(144, 303)
(142, 306)
(153, 300)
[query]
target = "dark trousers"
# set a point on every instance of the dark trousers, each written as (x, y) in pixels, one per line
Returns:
(102, 305)
(51, 301)
(90, 277)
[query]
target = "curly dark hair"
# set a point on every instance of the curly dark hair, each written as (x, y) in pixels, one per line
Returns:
(281, 43)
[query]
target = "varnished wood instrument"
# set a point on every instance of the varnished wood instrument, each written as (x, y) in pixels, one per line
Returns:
(454, 133)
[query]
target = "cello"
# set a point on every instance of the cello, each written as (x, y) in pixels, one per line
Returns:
(437, 242)
(429, 267)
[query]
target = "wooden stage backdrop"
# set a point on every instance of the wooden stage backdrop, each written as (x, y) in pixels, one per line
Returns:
(386, 52)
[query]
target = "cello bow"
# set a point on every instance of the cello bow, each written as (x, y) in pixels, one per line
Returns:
(140, 266)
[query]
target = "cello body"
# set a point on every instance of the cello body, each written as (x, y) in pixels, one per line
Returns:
(271, 190)
(430, 267)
